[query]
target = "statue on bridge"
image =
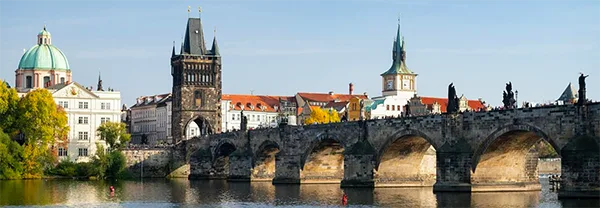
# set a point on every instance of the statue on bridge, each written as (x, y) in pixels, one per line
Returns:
(244, 121)
(508, 97)
(453, 100)
(582, 98)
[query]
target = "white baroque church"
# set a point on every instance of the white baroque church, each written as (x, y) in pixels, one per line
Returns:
(45, 66)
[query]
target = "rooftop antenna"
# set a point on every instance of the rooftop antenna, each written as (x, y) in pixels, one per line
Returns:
(189, 10)
(251, 92)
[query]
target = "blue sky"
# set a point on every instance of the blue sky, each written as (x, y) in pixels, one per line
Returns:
(280, 47)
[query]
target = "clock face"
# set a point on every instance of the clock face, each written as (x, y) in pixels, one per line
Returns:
(390, 84)
(405, 84)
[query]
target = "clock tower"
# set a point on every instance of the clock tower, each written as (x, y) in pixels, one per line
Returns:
(399, 80)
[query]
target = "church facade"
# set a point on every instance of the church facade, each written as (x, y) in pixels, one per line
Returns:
(44, 66)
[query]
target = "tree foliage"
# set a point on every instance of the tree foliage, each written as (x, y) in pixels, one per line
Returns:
(9, 102)
(114, 133)
(320, 116)
(11, 155)
(40, 119)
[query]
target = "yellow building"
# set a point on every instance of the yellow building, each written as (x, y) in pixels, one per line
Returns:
(355, 109)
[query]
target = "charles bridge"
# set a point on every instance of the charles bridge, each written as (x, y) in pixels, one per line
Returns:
(470, 151)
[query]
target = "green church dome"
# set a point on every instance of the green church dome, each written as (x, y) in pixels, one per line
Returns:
(44, 55)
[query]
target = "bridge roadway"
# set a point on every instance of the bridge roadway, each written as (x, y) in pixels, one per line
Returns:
(471, 151)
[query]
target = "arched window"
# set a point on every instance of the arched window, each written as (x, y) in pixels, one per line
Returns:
(197, 99)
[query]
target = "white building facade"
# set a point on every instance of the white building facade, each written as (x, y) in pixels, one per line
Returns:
(86, 111)
(261, 111)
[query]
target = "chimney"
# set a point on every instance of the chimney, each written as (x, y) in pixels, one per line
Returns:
(350, 88)
(330, 92)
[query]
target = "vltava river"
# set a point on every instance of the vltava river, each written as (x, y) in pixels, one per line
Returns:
(184, 193)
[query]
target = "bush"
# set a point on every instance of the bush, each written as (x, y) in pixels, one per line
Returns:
(65, 168)
(87, 169)
(116, 164)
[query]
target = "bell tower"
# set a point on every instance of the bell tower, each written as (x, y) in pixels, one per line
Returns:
(196, 91)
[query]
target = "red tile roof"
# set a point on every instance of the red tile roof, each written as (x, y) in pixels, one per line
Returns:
(429, 101)
(258, 101)
(326, 97)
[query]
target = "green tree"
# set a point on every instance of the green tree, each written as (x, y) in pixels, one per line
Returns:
(116, 165)
(101, 161)
(11, 154)
(40, 119)
(114, 133)
(320, 116)
(9, 102)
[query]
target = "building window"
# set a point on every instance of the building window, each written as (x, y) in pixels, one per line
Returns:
(46, 81)
(83, 135)
(83, 105)
(62, 80)
(64, 104)
(104, 120)
(28, 82)
(105, 106)
(398, 107)
(387, 107)
(83, 152)
(62, 152)
(192, 132)
(83, 120)
(197, 99)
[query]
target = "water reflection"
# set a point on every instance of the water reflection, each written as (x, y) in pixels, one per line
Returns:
(181, 192)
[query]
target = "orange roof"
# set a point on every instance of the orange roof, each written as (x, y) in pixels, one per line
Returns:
(326, 97)
(260, 102)
(429, 101)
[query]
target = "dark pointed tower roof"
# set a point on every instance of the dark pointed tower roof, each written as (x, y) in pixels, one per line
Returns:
(173, 53)
(399, 56)
(215, 47)
(194, 38)
(568, 94)
(100, 83)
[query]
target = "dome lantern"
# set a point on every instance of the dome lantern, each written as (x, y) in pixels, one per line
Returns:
(44, 37)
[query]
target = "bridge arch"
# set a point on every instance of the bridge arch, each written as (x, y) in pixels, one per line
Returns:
(220, 161)
(398, 135)
(263, 161)
(323, 159)
(196, 127)
(406, 158)
(508, 156)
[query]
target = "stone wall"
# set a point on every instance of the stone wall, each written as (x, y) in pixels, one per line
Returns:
(549, 166)
(148, 163)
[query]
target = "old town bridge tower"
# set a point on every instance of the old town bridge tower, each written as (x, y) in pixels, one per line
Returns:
(197, 84)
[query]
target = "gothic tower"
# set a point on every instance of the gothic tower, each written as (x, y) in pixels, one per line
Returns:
(399, 80)
(197, 84)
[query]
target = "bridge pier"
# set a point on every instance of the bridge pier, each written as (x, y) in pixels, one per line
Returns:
(358, 165)
(358, 171)
(453, 167)
(201, 165)
(240, 167)
(287, 169)
(580, 169)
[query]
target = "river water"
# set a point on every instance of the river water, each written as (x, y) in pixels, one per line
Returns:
(185, 193)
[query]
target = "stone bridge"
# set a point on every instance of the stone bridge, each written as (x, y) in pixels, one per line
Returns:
(471, 151)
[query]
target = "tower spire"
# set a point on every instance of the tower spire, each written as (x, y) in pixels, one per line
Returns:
(173, 52)
(99, 82)
(215, 47)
